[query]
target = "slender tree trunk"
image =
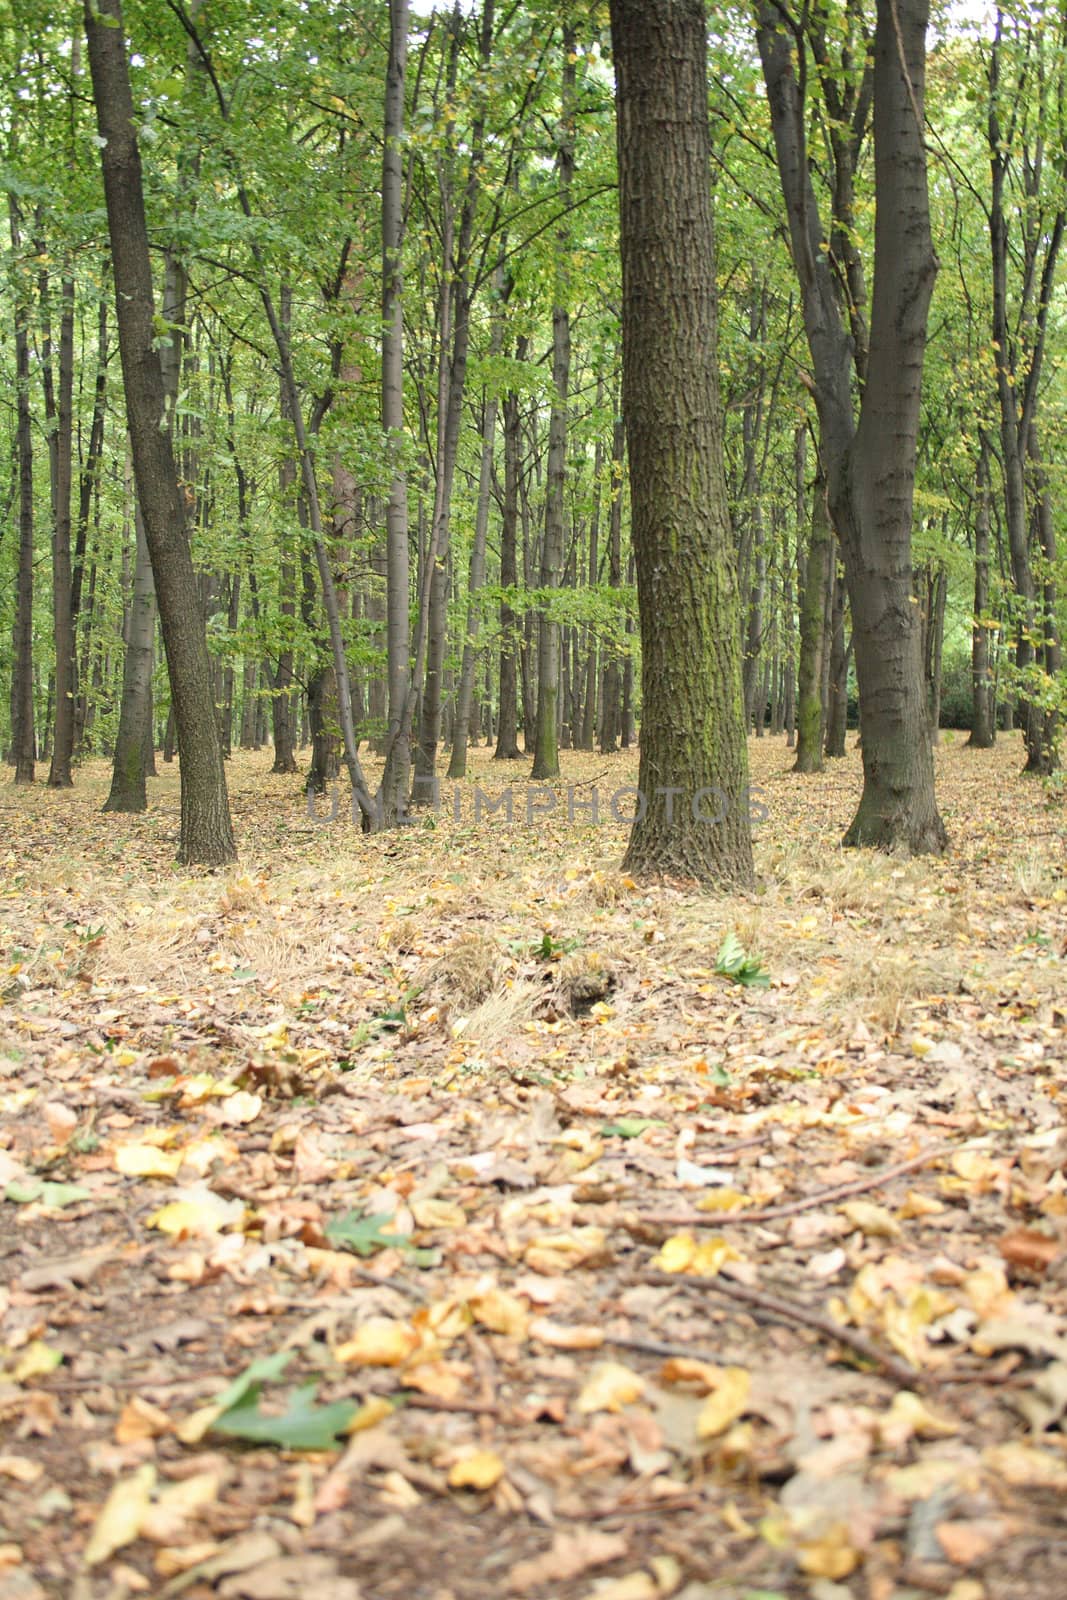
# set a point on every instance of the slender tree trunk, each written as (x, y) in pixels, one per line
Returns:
(61, 444)
(546, 737)
(813, 634)
(835, 715)
(457, 766)
(128, 789)
(507, 742)
(206, 831)
(937, 594)
(983, 720)
(23, 732)
(611, 686)
(693, 773)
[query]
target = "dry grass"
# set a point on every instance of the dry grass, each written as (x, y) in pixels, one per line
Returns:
(455, 912)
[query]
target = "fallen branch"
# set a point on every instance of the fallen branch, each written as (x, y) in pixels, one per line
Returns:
(790, 1311)
(789, 1208)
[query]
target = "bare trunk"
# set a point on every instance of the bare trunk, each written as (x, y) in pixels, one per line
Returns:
(206, 831)
(692, 818)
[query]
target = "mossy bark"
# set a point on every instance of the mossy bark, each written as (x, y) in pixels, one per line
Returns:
(692, 813)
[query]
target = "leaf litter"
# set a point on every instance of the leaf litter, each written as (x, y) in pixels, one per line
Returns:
(447, 1215)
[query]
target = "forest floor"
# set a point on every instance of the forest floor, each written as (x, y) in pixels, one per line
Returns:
(570, 1267)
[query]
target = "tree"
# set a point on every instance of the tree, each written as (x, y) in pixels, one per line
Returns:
(869, 459)
(693, 760)
(206, 830)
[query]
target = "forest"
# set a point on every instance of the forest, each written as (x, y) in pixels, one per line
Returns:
(533, 906)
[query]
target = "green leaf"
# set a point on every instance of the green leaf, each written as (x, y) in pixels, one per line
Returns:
(363, 1235)
(735, 962)
(302, 1425)
(56, 1195)
(253, 1378)
(629, 1127)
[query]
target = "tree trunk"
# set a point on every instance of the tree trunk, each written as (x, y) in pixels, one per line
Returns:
(835, 699)
(507, 740)
(813, 634)
(983, 719)
(870, 464)
(60, 446)
(128, 789)
(546, 737)
(693, 822)
(23, 732)
(457, 766)
(206, 830)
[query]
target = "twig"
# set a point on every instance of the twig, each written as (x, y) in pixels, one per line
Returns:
(789, 1311)
(639, 1508)
(840, 1191)
(658, 1347)
(433, 1402)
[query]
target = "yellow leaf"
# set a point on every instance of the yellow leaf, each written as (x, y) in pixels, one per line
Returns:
(682, 1253)
(146, 1161)
(373, 1410)
(379, 1342)
(433, 1213)
(500, 1312)
(198, 1212)
(909, 1417)
(552, 1253)
(609, 1387)
(139, 1420)
(566, 1336)
(676, 1253)
(37, 1361)
(723, 1200)
(725, 1404)
(686, 1369)
(119, 1523)
(874, 1222)
(479, 1469)
(831, 1556)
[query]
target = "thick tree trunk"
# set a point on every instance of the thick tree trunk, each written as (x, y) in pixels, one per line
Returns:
(394, 785)
(870, 465)
(692, 819)
(206, 831)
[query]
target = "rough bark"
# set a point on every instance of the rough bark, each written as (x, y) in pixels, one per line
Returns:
(693, 757)
(870, 461)
(206, 830)
(394, 785)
